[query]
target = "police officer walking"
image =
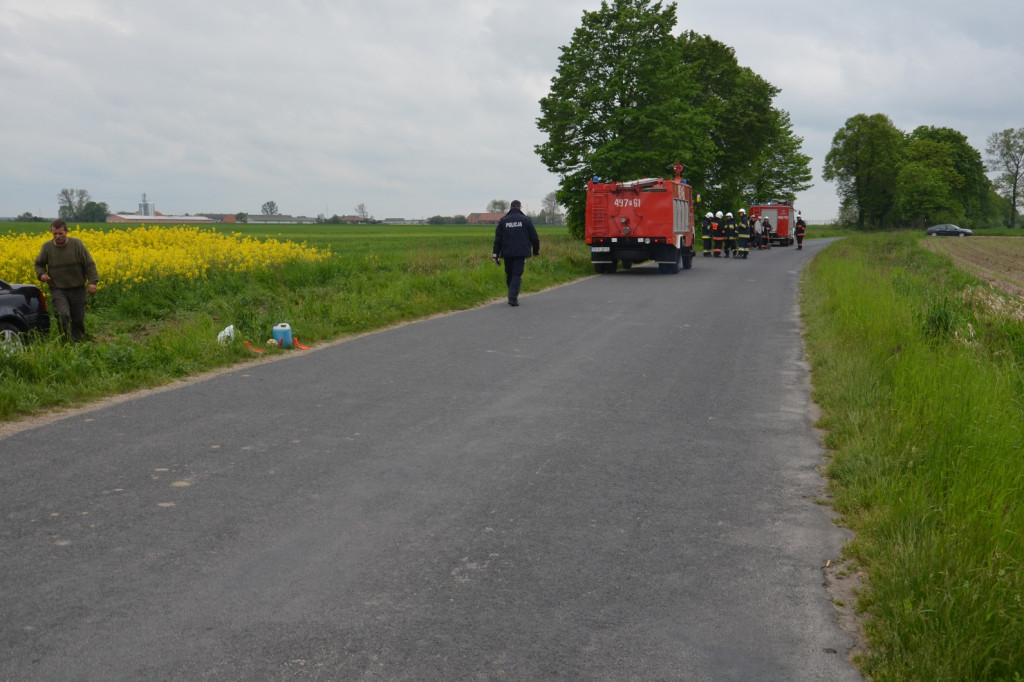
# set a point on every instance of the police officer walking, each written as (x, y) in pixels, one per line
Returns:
(513, 239)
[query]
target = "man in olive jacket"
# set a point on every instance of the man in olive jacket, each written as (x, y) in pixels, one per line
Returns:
(67, 266)
(513, 239)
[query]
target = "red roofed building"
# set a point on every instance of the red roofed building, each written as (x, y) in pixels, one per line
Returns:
(484, 218)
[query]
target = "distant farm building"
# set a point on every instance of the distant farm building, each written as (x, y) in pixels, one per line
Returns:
(156, 218)
(484, 218)
(147, 213)
(220, 217)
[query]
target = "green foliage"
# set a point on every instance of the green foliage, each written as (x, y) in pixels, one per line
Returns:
(927, 184)
(77, 205)
(918, 372)
(94, 212)
(781, 170)
(159, 331)
(1006, 157)
(629, 100)
(29, 218)
(886, 178)
(963, 172)
(613, 107)
(750, 154)
(864, 161)
(446, 220)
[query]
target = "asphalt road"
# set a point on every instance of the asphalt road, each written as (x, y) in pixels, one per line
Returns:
(615, 481)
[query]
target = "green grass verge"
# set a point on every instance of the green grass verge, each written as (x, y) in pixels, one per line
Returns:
(920, 381)
(378, 276)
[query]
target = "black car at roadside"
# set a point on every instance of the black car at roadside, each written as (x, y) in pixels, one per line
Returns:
(22, 311)
(948, 230)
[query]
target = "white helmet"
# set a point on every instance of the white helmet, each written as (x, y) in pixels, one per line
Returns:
(743, 211)
(718, 215)
(728, 215)
(710, 215)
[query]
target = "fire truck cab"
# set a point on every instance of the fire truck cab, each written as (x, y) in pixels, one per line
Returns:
(782, 218)
(640, 220)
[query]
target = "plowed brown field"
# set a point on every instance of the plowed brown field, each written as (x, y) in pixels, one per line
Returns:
(996, 260)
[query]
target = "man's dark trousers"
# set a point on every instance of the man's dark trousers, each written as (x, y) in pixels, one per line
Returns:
(69, 306)
(514, 276)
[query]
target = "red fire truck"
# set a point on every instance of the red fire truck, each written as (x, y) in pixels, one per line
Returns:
(782, 218)
(640, 220)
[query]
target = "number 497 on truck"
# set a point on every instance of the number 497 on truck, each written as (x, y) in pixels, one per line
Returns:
(640, 220)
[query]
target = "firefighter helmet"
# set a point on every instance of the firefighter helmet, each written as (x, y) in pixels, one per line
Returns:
(743, 211)
(718, 215)
(710, 215)
(728, 215)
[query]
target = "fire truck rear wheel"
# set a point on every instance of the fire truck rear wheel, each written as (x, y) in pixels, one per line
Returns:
(671, 268)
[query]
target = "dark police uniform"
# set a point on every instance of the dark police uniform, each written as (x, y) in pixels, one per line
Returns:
(514, 239)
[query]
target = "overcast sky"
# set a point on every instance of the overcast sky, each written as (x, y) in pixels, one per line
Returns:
(426, 108)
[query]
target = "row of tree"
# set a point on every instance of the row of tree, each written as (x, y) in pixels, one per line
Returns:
(549, 214)
(629, 100)
(539, 218)
(886, 177)
(76, 204)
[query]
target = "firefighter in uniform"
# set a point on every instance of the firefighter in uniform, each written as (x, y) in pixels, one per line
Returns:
(705, 233)
(731, 231)
(744, 236)
(766, 238)
(717, 234)
(801, 229)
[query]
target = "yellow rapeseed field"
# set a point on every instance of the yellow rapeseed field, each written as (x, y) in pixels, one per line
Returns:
(140, 254)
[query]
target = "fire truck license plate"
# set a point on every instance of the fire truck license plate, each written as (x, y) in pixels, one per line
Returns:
(600, 249)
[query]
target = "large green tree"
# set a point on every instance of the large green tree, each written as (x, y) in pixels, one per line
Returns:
(1006, 157)
(72, 202)
(614, 109)
(864, 161)
(927, 184)
(969, 193)
(94, 212)
(779, 169)
(750, 151)
(629, 100)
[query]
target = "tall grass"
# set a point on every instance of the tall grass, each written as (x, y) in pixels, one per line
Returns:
(918, 370)
(153, 332)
